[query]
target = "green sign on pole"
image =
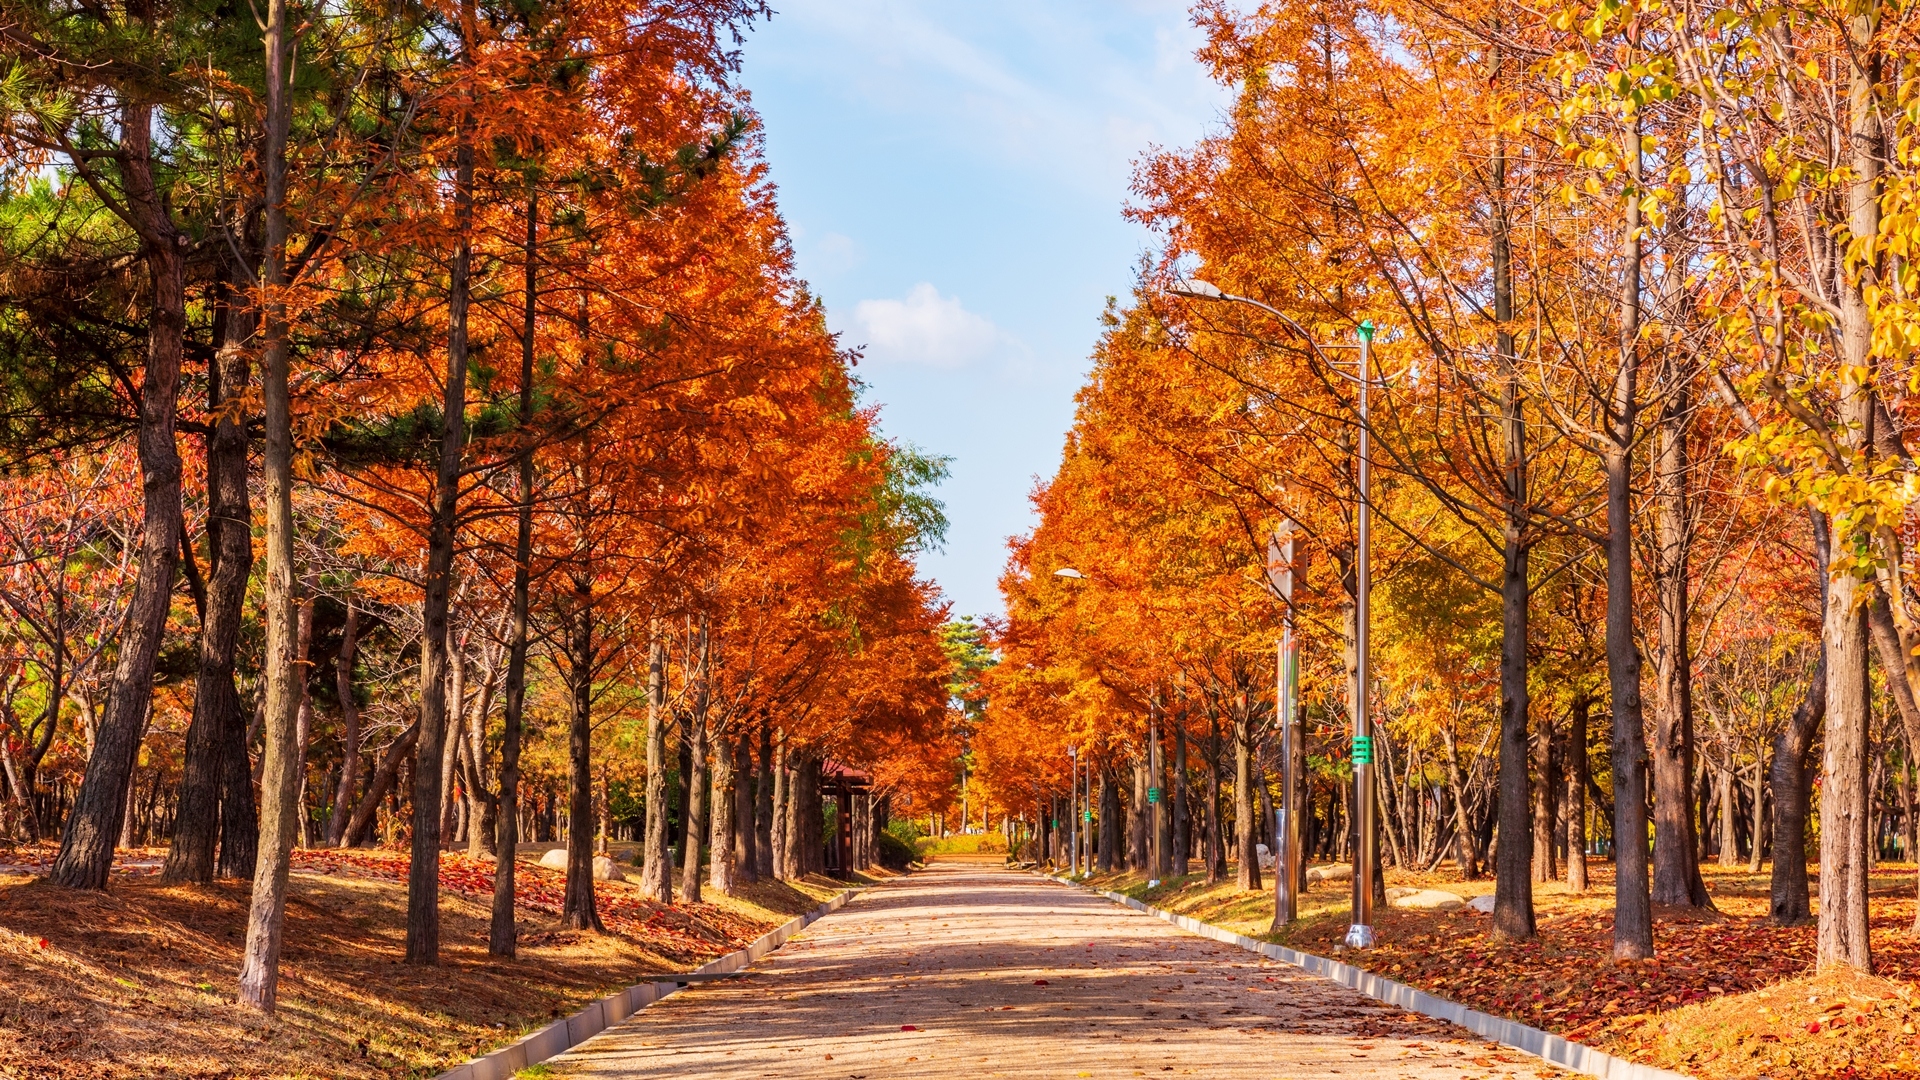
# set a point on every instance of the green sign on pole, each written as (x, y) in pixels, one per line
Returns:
(1363, 750)
(1153, 794)
(1086, 816)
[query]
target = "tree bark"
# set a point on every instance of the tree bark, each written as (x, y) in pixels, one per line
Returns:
(1577, 793)
(501, 937)
(745, 870)
(721, 862)
(763, 853)
(382, 782)
(423, 876)
(1464, 850)
(578, 910)
(1513, 884)
(1632, 907)
(1845, 813)
(719, 756)
(656, 871)
(1542, 749)
(1245, 834)
(1845, 840)
(1676, 841)
(782, 797)
(216, 700)
(349, 726)
(1162, 810)
(282, 760)
(1216, 848)
(1181, 857)
(86, 845)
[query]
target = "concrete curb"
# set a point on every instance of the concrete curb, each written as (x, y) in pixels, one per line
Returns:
(565, 1034)
(1544, 1045)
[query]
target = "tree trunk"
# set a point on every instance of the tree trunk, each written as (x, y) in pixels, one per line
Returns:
(1543, 862)
(763, 857)
(423, 877)
(1216, 848)
(1845, 817)
(1464, 850)
(282, 760)
(721, 859)
(745, 868)
(1139, 841)
(1245, 833)
(501, 937)
(1181, 830)
(1577, 794)
(349, 727)
(384, 777)
(216, 700)
(656, 871)
(777, 839)
(93, 823)
(239, 821)
(1162, 810)
(1676, 843)
(1513, 885)
(578, 910)
(303, 713)
(1110, 818)
(1632, 909)
(1845, 857)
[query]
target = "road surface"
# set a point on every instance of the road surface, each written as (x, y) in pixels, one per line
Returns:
(966, 971)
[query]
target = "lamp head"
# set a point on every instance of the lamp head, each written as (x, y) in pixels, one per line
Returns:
(1068, 572)
(1195, 289)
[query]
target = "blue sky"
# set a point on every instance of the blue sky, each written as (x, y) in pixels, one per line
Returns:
(953, 174)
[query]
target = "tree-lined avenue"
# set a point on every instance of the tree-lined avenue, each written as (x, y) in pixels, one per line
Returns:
(979, 971)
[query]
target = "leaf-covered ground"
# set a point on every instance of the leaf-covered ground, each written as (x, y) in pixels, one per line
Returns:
(1726, 995)
(140, 981)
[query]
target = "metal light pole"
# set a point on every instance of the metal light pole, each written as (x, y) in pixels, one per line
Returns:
(1286, 863)
(1073, 811)
(1366, 863)
(1086, 817)
(1360, 934)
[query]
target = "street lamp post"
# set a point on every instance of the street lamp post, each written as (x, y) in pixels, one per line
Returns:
(1073, 811)
(1366, 863)
(1286, 864)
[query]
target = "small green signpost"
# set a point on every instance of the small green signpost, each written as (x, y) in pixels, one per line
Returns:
(1363, 750)
(1153, 794)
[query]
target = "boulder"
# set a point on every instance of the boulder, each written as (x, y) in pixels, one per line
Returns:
(1482, 904)
(1264, 856)
(604, 869)
(1424, 899)
(1330, 872)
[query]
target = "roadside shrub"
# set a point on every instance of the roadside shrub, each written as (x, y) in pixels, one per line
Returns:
(895, 853)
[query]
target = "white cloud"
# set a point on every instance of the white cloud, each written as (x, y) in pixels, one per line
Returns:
(925, 328)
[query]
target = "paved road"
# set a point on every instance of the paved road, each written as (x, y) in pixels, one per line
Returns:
(974, 972)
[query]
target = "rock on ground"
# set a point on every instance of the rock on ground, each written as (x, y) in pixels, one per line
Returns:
(1424, 899)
